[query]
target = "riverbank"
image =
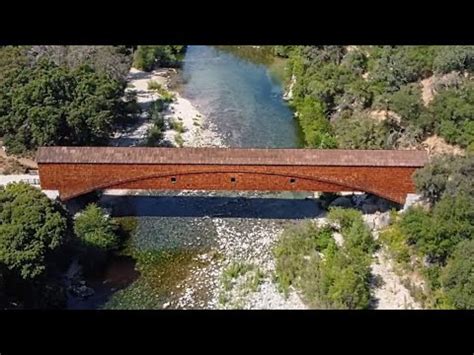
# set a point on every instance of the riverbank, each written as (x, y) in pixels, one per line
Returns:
(216, 248)
(196, 131)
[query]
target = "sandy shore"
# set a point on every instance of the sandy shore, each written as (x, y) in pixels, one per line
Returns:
(197, 131)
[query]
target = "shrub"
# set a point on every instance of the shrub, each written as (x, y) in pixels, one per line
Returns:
(315, 126)
(32, 229)
(308, 259)
(95, 229)
(361, 132)
(178, 126)
(445, 174)
(147, 57)
(178, 138)
(451, 58)
(458, 276)
(454, 112)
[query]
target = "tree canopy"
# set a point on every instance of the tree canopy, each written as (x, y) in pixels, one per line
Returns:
(52, 105)
(32, 228)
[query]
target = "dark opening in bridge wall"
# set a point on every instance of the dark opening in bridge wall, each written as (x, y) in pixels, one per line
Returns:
(173, 180)
(292, 181)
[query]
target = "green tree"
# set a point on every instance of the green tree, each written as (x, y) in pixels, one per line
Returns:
(451, 58)
(408, 104)
(32, 229)
(95, 229)
(458, 276)
(454, 112)
(361, 132)
(49, 105)
(315, 126)
(445, 174)
(147, 57)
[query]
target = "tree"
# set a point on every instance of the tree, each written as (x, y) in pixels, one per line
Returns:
(32, 229)
(49, 105)
(436, 233)
(316, 127)
(454, 112)
(458, 276)
(12, 58)
(146, 57)
(95, 229)
(114, 61)
(408, 104)
(445, 174)
(361, 132)
(451, 58)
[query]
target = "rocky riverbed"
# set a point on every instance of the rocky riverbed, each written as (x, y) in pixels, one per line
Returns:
(230, 237)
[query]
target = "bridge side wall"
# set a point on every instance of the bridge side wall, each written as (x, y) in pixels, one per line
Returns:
(72, 180)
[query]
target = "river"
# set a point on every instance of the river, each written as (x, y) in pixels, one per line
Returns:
(183, 241)
(240, 96)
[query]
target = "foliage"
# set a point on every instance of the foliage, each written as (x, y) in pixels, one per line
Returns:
(458, 276)
(356, 233)
(95, 229)
(453, 109)
(12, 58)
(436, 233)
(49, 105)
(147, 57)
(178, 126)
(32, 229)
(391, 67)
(451, 58)
(396, 243)
(356, 61)
(114, 61)
(154, 136)
(328, 276)
(316, 127)
(408, 104)
(361, 132)
(178, 138)
(445, 175)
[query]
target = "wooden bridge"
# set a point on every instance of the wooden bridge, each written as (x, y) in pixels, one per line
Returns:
(74, 171)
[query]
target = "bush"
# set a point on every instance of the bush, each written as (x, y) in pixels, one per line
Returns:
(297, 258)
(315, 126)
(446, 174)
(51, 105)
(454, 112)
(356, 233)
(408, 104)
(396, 243)
(32, 230)
(436, 233)
(361, 132)
(178, 138)
(458, 276)
(154, 136)
(178, 126)
(308, 259)
(96, 230)
(147, 57)
(451, 58)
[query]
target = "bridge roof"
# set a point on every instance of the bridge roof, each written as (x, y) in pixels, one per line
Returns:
(230, 156)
